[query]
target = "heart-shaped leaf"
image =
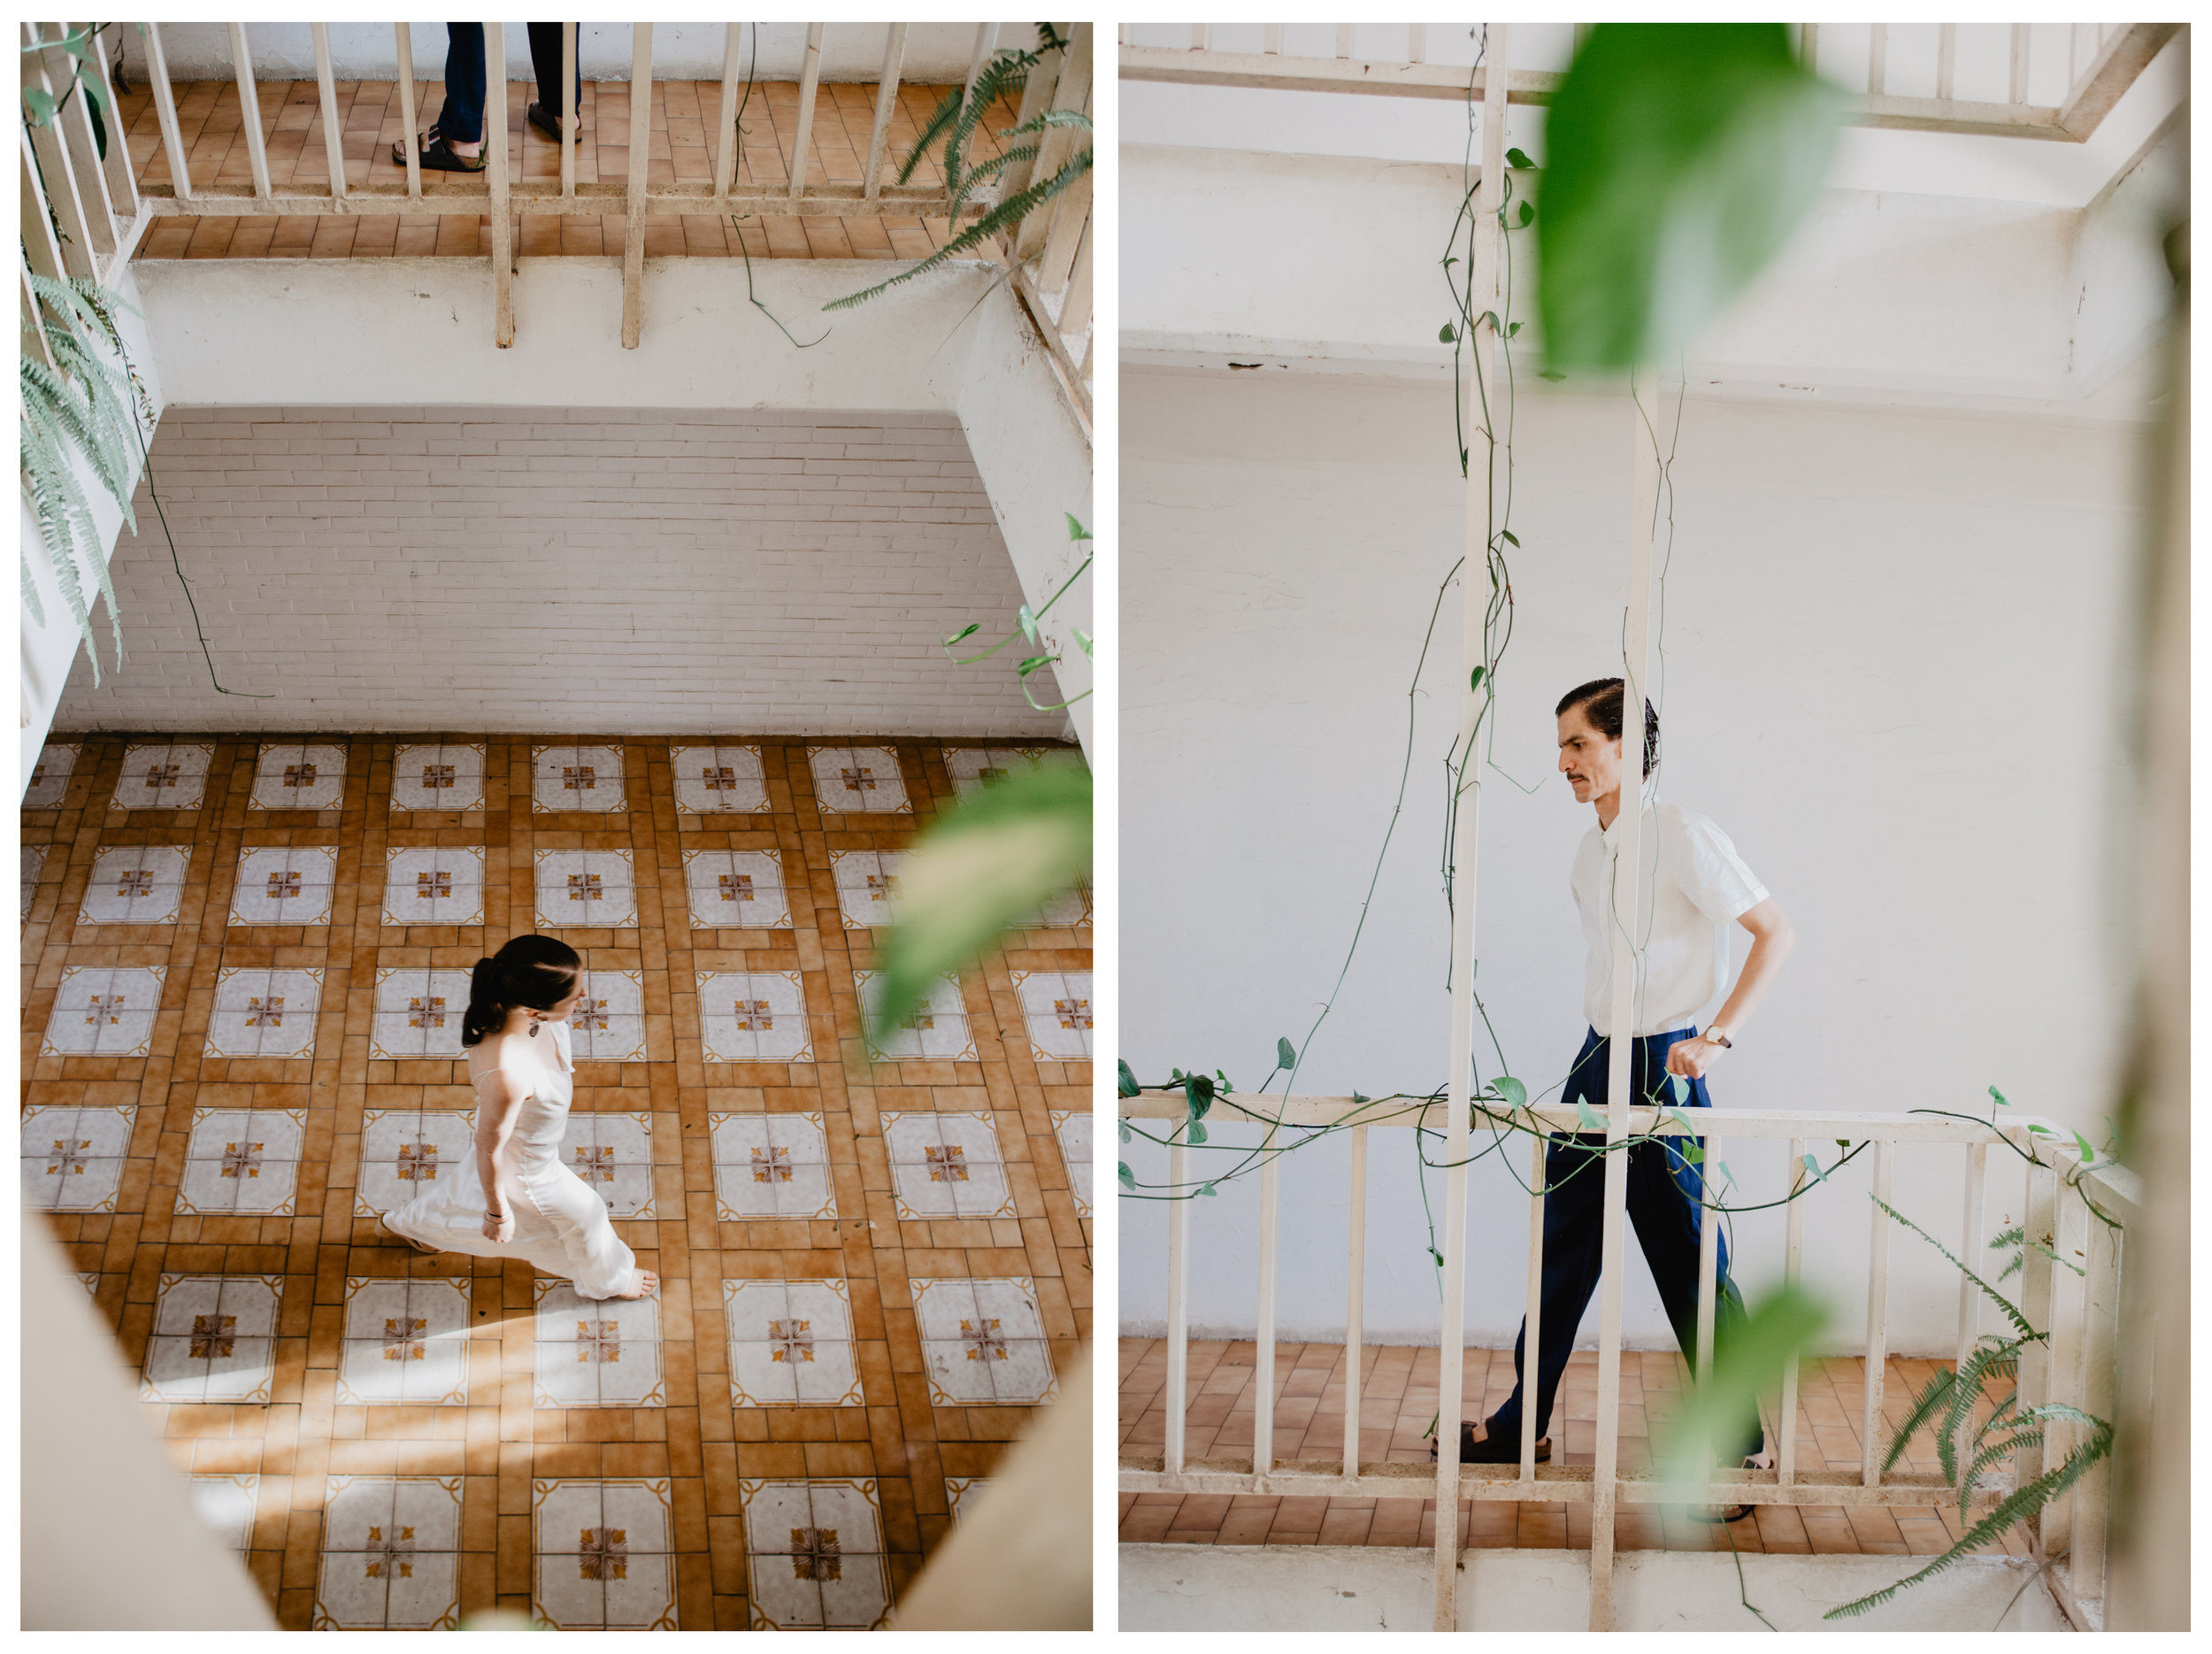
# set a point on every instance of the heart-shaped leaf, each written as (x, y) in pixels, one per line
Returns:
(1587, 1116)
(1286, 1055)
(1129, 1086)
(1198, 1091)
(1128, 1179)
(1125, 1134)
(1194, 1133)
(1681, 1087)
(1512, 1092)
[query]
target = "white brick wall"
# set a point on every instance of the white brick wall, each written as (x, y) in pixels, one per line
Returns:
(590, 570)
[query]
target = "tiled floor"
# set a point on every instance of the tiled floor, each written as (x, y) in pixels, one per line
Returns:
(230, 1075)
(1398, 1400)
(683, 110)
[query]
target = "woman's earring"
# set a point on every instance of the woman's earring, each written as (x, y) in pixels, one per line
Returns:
(533, 1027)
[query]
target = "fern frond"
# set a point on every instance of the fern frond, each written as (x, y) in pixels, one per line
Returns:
(992, 168)
(1006, 213)
(1983, 1460)
(2011, 1310)
(941, 120)
(1925, 1407)
(1981, 1361)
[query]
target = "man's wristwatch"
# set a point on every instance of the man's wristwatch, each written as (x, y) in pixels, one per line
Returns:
(1718, 1036)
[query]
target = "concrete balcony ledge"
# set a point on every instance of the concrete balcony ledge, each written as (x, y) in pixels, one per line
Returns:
(1257, 1588)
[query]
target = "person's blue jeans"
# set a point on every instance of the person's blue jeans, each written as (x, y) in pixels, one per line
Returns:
(461, 117)
(1665, 1192)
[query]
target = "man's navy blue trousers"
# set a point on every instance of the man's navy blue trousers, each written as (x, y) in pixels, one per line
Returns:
(1665, 1192)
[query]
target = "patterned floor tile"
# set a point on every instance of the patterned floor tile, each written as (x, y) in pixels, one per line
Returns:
(163, 775)
(284, 885)
(867, 883)
(791, 1344)
(440, 885)
(450, 777)
(963, 1494)
(1073, 1132)
(608, 1024)
(406, 1342)
(975, 770)
(72, 1157)
(228, 1505)
(50, 772)
(770, 1165)
(860, 780)
(613, 1154)
(263, 1013)
(983, 1341)
(405, 1152)
(33, 865)
(597, 1352)
(815, 1555)
(718, 780)
(102, 1012)
(213, 1339)
(390, 1554)
(577, 777)
(946, 1166)
(136, 884)
(298, 777)
(754, 1017)
(417, 1012)
(736, 889)
(937, 1028)
(242, 1160)
(585, 890)
(603, 1559)
(1057, 1007)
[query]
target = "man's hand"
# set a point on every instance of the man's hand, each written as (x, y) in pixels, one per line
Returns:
(1692, 1056)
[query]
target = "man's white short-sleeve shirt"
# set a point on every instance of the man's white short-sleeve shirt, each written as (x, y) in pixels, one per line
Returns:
(1696, 885)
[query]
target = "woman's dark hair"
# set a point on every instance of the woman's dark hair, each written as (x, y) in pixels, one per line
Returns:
(1601, 702)
(538, 971)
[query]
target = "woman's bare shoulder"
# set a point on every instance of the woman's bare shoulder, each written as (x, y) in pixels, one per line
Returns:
(496, 1059)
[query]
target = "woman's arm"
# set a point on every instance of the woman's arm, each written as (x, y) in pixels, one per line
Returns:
(500, 1097)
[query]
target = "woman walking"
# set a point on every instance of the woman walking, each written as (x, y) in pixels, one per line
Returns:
(515, 1199)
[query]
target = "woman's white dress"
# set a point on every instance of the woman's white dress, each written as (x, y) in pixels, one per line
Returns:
(561, 1226)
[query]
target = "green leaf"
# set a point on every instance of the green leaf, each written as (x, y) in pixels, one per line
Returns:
(1587, 1116)
(1544, 372)
(1286, 1055)
(1028, 623)
(41, 104)
(1198, 1091)
(1447, 334)
(1082, 639)
(1519, 161)
(1512, 1091)
(1813, 1171)
(1474, 677)
(1127, 1134)
(1727, 1176)
(2088, 1154)
(969, 630)
(1507, 533)
(1680, 157)
(984, 866)
(2000, 1096)
(1680, 1086)
(1128, 1179)
(92, 109)
(1691, 1149)
(1209, 1190)
(1129, 1086)
(1528, 214)
(1512, 330)
(1075, 531)
(1194, 1133)
(1725, 1400)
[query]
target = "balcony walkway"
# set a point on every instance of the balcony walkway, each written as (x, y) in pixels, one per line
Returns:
(1399, 1391)
(369, 112)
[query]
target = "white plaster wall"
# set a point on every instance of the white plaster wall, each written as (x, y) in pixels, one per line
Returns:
(1892, 652)
(935, 52)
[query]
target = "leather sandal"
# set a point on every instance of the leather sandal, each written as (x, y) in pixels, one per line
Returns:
(1490, 1450)
(422, 143)
(1715, 1513)
(437, 155)
(545, 120)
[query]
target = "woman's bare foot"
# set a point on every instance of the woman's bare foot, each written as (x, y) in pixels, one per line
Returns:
(644, 1284)
(429, 1252)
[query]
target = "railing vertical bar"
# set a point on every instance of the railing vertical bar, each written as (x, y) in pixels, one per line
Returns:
(250, 112)
(640, 150)
(496, 159)
(810, 80)
(1177, 1301)
(1707, 1264)
(1264, 1356)
(1344, 39)
(726, 128)
(2017, 93)
(1417, 43)
(2100, 1353)
(1877, 1319)
(1878, 59)
(73, 122)
(1969, 1249)
(166, 112)
(42, 249)
(1947, 59)
(2035, 1282)
(1036, 98)
(1272, 40)
(46, 159)
(1201, 37)
(1071, 223)
(571, 122)
(1352, 1331)
(1075, 309)
(30, 323)
(326, 94)
(1071, 93)
(2068, 1312)
(1532, 1330)
(403, 46)
(122, 188)
(887, 100)
(986, 41)
(1466, 837)
(1792, 1267)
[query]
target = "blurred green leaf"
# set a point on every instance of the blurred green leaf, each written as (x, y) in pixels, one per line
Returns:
(2000, 1096)
(1028, 623)
(40, 103)
(1725, 1400)
(1075, 531)
(1679, 157)
(1125, 1132)
(1129, 1086)
(984, 864)
(1128, 1179)
(1208, 1189)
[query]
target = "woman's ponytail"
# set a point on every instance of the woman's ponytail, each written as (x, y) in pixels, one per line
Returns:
(538, 971)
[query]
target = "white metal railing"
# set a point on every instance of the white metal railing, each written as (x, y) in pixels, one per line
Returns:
(102, 210)
(2075, 1365)
(2102, 62)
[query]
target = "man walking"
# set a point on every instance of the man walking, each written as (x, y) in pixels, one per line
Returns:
(1695, 886)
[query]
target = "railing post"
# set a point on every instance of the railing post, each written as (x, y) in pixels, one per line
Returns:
(327, 94)
(1877, 1318)
(1532, 1326)
(2066, 1314)
(166, 112)
(1264, 1356)
(250, 113)
(1707, 1261)
(1352, 1331)
(809, 79)
(2101, 1350)
(1971, 1250)
(1177, 1301)
(571, 116)
(403, 49)
(726, 126)
(1792, 1268)
(496, 154)
(2040, 1225)
(886, 100)
(640, 148)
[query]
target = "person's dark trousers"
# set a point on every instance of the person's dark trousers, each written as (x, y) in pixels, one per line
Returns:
(545, 62)
(461, 117)
(1664, 1193)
